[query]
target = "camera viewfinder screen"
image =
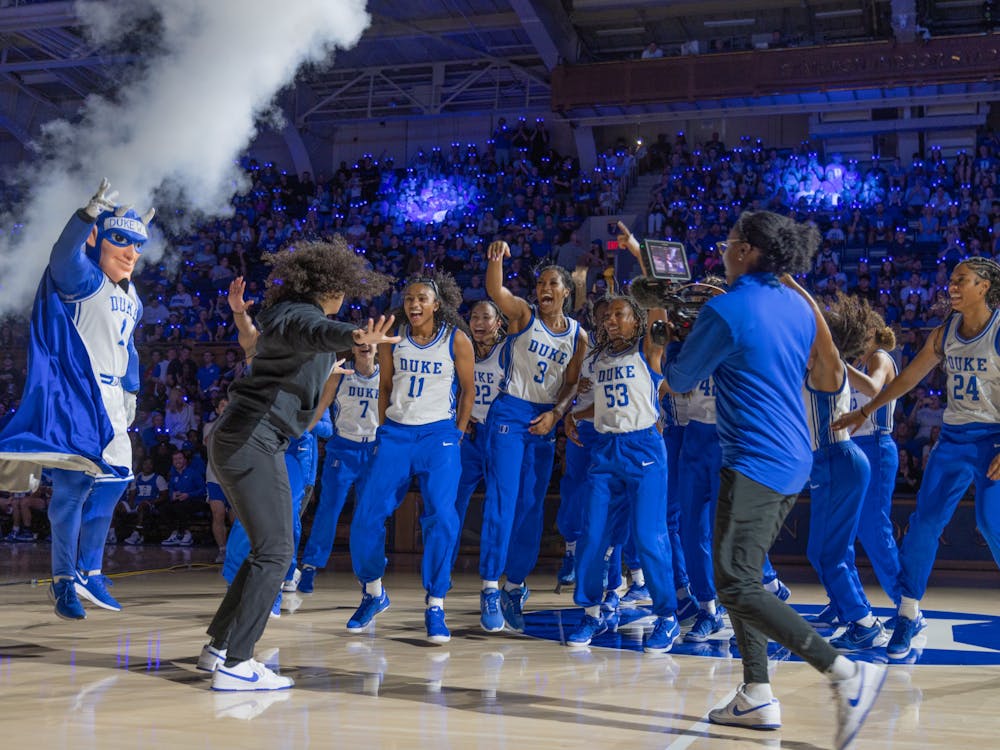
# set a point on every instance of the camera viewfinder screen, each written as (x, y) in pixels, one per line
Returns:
(666, 260)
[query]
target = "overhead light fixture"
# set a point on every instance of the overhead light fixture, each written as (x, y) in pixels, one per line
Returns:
(839, 13)
(626, 31)
(730, 22)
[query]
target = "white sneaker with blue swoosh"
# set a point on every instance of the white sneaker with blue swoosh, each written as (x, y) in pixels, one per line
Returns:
(248, 675)
(743, 711)
(855, 697)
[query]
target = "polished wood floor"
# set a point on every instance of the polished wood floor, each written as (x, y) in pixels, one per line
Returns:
(127, 679)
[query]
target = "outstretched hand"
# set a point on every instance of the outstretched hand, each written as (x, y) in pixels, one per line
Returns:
(850, 421)
(339, 369)
(376, 332)
(101, 201)
(236, 302)
(497, 251)
(627, 240)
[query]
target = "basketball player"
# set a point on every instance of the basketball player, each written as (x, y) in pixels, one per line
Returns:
(542, 355)
(293, 358)
(968, 450)
(486, 326)
(422, 423)
(354, 399)
(80, 396)
(755, 341)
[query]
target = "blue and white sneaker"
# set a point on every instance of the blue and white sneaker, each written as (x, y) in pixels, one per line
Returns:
(609, 610)
(490, 616)
(211, 658)
(826, 619)
(855, 697)
(636, 595)
(307, 579)
(366, 611)
(276, 607)
(589, 628)
(95, 589)
(687, 609)
(63, 595)
(858, 638)
(705, 625)
(902, 635)
(665, 632)
(248, 675)
(437, 631)
(743, 711)
(567, 571)
(511, 605)
(784, 593)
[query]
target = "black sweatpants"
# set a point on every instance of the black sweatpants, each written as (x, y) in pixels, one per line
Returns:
(249, 462)
(747, 521)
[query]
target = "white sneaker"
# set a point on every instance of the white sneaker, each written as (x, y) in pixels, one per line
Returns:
(171, 541)
(134, 538)
(248, 675)
(246, 707)
(743, 711)
(185, 541)
(221, 557)
(211, 658)
(293, 584)
(855, 697)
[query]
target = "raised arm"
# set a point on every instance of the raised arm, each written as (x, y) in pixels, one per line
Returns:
(514, 308)
(247, 333)
(827, 371)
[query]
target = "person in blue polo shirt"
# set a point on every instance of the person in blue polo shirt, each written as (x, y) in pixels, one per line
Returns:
(755, 342)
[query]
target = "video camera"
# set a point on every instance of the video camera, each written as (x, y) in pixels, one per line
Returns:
(668, 285)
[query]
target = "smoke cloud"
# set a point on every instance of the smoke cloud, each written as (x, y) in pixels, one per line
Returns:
(209, 72)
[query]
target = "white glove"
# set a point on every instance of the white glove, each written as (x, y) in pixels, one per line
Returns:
(101, 201)
(130, 400)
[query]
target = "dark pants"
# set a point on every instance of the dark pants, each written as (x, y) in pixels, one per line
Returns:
(249, 462)
(177, 514)
(747, 521)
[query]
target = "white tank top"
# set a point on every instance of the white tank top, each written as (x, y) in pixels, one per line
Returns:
(973, 367)
(355, 407)
(424, 383)
(700, 402)
(822, 409)
(625, 398)
(487, 374)
(583, 400)
(535, 361)
(880, 421)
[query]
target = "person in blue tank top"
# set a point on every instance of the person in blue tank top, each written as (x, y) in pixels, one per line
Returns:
(80, 394)
(840, 473)
(755, 341)
(486, 325)
(968, 450)
(542, 356)
(352, 397)
(426, 393)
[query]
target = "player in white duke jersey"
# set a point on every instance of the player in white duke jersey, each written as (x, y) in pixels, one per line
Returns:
(627, 472)
(542, 356)
(968, 450)
(80, 396)
(422, 423)
(872, 372)
(486, 326)
(840, 473)
(352, 399)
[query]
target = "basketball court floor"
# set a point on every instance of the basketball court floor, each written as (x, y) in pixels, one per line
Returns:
(128, 680)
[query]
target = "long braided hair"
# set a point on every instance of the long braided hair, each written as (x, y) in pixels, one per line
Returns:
(603, 341)
(988, 270)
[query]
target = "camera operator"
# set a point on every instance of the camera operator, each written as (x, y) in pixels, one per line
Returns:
(755, 341)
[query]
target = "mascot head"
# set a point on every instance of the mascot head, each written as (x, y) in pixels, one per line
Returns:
(117, 241)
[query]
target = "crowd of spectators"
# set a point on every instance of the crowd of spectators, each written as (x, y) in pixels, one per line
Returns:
(892, 232)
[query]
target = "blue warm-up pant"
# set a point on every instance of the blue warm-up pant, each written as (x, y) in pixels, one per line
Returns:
(573, 484)
(431, 453)
(837, 486)
(520, 469)
(875, 530)
(628, 487)
(697, 489)
(961, 457)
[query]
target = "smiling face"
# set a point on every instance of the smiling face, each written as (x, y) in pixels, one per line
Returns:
(419, 304)
(967, 289)
(620, 322)
(117, 260)
(551, 291)
(484, 322)
(364, 356)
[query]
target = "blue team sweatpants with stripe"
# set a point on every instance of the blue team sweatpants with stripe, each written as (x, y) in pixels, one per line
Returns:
(875, 531)
(80, 515)
(697, 489)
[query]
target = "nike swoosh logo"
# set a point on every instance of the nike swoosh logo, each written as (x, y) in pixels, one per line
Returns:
(814, 486)
(446, 444)
(853, 702)
(737, 712)
(82, 579)
(255, 678)
(647, 463)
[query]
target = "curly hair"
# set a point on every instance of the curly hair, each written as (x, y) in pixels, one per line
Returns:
(447, 293)
(308, 271)
(883, 335)
(849, 321)
(785, 245)
(601, 338)
(988, 270)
